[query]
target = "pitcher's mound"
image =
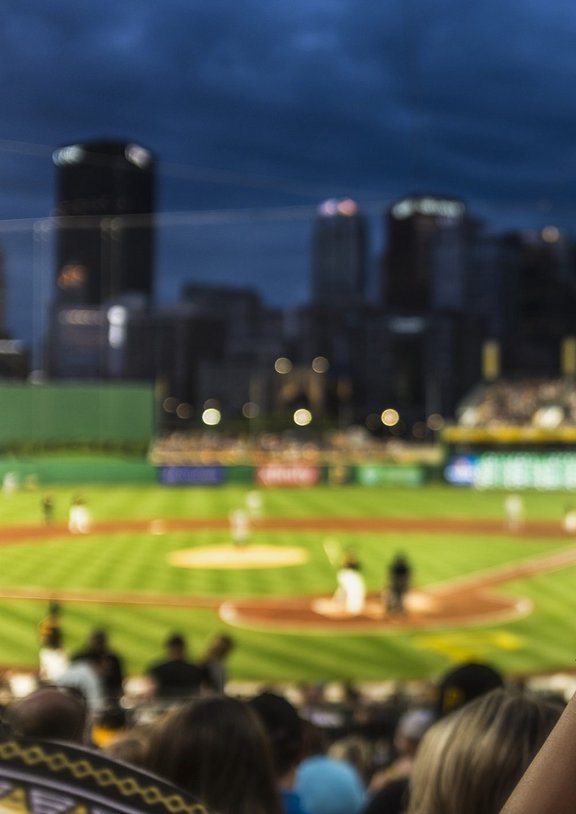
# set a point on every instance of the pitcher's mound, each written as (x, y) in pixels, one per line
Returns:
(231, 556)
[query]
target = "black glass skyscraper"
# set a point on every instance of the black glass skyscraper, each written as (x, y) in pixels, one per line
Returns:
(105, 201)
(426, 257)
(339, 248)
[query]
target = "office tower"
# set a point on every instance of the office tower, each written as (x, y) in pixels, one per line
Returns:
(104, 239)
(238, 340)
(339, 249)
(540, 269)
(3, 326)
(433, 349)
(425, 266)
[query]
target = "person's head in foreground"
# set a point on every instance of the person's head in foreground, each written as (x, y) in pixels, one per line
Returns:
(216, 749)
(51, 713)
(471, 760)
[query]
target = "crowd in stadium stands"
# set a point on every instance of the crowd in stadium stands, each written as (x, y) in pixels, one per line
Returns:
(545, 404)
(461, 747)
(208, 448)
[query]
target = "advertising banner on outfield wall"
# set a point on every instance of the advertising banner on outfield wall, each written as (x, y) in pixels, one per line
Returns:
(515, 470)
(287, 475)
(192, 475)
(461, 470)
(390, 475)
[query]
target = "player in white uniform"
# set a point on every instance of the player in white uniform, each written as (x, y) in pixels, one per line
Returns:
(254, 505)
(514, 510)
(569, 521)
(79, 517)
(350, 595)
(239, 526)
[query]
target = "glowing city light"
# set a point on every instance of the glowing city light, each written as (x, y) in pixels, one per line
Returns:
(328, 208)
(333, 206)
(68, 155)
(250, 410)
(320, 364)
(117, 315)
(550, 234)
(139, 156)
(302, 417)
(211, 417)
(184, 410)
(390, 417)
(283, 365)
(373, 421)
(435, 422)
(347, 207)
(433, 207)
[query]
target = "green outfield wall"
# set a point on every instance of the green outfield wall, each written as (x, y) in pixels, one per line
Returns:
(52, 415)
(42, 470)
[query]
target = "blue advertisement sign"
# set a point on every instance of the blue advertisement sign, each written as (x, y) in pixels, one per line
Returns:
(192, 475)
(461, 470)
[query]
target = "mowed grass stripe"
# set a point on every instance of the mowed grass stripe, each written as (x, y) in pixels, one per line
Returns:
(123, 561)
(128, 562)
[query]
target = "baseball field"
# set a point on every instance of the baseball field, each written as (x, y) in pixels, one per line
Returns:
(159, 559)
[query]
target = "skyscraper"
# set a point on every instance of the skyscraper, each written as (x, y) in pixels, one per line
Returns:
(425, 266)
(104, 256)
(540, 268)
(339, 248)
(434, 342)
(105, 201)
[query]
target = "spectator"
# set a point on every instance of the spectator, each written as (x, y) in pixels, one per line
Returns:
(463, 684)
(356, 750)
(458, 687)
(131, 746)
(324, 784)
(471, 760)
(409, 732)
(548, 783)
(53, 659)
(216, 748)
(175, 678)
(214, 660)
(56, 777)
(285, 734)
(109, 725)
(49, 713)
(85, 676)
(112, 671)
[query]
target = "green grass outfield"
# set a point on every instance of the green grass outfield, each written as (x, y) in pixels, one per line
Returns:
(137, 562)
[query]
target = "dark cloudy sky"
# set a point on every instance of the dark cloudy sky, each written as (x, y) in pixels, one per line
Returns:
(259, 109)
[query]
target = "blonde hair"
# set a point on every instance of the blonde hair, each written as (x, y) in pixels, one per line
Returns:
(472, 759)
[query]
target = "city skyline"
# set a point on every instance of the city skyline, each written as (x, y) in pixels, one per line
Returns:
(256, 114)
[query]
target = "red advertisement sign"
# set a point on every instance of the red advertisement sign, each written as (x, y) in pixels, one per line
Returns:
(287, 475)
